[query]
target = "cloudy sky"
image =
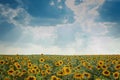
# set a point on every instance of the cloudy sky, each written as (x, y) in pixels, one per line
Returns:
(60, 27)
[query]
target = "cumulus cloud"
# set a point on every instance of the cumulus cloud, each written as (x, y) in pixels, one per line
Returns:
(86, 9)
(86, 14)
(89, 35)
(104, 45)
(52, 3)
(17, 17)
(39, 32)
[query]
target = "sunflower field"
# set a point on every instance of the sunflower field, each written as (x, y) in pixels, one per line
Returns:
(59, 67)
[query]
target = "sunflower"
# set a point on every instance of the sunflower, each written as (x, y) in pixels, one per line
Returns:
(21, 74)
(117, 67)
(58, 79)
(89, 67)
(100, 63)
(37, 70)
(11, 71)
(85, 63)
(78, 67)
(86, 75)
(116, 75)
(41, 60)
(78, 76)
(16, 63)
(33, 71)
(60, 73)
(46, 66)
(6, 62)
(60, 62)
(29, 61)
(114, 62)
(24, 71)
(54, 78)
(57, 64)
(2, 62)
(106, 73)
(98, 67)
(104, 67)
(31, 78)
(17, 57)
(66, 70)
(29, 65)
(11, 66)
(17, 72)
(43, 72)
(48, 71)
(12, 60)
(23, 63)
(35, 66)
(29, 71)
(6, 78)
(18, 66)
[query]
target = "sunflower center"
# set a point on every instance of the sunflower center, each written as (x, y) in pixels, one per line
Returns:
(86, 75)
(106, 72)
(31, 78)
(116, 75)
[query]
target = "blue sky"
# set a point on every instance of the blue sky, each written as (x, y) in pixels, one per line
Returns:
(60, 27)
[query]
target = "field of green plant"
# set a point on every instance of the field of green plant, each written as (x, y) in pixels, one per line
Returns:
(54, 67)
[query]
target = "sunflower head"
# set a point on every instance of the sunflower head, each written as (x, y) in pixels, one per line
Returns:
(33, 71)
(86, 75)
(104, 67)
(106, 73)
(35, 66)
(60, 73)
(116, 75)
(60, 62)
(18, 66)
(31, 78)
(55, 78)
(29, 65)
(2, 62)
(66, 70)
(98, 67)
(7, 78)
(11, 71)
(46, 66)
(48, 71)
(114, 62)
(100, 62)
(41, 60)
(117, 67)
(78, 76)
(57, 64)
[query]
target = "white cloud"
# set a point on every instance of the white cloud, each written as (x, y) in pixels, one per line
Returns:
(60, 7)
(39, 32)
(58, 1)
(85, 15)
(104, 45)
(86, 9)
(52, 3)
(10, 14)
